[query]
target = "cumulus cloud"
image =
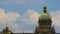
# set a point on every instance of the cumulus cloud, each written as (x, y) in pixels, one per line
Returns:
(32, 16)
(8, 18)
(28, 31)
(23, 31)
(56, 20)
(56, 17)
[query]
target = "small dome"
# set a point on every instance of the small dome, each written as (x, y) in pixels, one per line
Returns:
(44, 16)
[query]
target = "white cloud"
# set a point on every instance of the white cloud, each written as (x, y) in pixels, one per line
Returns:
(32, 16)
(28, 31)
(23, 31)
(56, 17)
(56, 20)
(11, 17)
(8, 18)
(18, 31)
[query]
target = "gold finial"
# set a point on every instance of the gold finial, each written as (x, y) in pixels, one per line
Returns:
(44, 5)
(6, 24)
(45, 11)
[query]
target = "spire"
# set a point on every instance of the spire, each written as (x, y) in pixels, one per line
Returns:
(7, 26)
(45, 11)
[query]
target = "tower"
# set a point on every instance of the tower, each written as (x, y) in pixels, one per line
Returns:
(45, 23)
(6, 30)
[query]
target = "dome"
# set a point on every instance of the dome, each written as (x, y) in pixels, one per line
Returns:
(44, 16)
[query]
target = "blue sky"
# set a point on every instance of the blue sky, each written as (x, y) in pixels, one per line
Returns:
(23, 5)
(22, 15)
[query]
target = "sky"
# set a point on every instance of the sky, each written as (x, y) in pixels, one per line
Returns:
(22, 15)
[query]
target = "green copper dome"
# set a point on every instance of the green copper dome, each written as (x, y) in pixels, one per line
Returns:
(44, 16)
